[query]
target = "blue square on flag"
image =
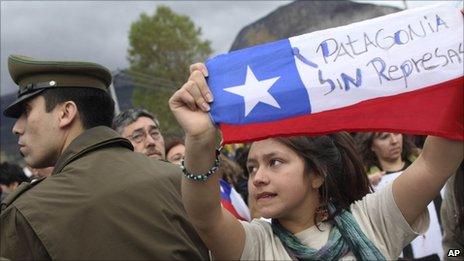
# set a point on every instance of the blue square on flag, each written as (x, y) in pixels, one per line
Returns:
(256, 84)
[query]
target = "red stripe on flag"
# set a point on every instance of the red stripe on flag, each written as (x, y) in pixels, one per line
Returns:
(435, 110)
(228, 205)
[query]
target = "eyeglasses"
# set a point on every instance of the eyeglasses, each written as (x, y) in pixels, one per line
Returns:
(141, 135)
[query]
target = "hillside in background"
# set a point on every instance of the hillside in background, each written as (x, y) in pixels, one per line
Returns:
(302, 17)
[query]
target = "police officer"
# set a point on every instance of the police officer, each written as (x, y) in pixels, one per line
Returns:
(102, 201)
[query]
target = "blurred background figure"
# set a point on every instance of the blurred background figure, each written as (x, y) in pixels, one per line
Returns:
(452, 215)
(175, 150)
(11, 175)
(385, 155)
(141, 128)
(232, 150)
(419, 140)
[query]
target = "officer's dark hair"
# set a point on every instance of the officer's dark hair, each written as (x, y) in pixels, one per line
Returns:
(129, 116)
(10, 173)
(95, 106)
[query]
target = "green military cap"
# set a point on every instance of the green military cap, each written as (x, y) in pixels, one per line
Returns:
(34, 76)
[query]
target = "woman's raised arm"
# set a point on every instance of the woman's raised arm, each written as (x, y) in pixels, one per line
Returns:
(222, 233)
(422, 181)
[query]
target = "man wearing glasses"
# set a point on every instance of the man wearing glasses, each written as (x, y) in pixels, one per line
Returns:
(141, 128)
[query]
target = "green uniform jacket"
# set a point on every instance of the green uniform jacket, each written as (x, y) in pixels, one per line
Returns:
(103, 201)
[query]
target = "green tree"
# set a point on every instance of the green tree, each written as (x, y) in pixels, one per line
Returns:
(161, 48)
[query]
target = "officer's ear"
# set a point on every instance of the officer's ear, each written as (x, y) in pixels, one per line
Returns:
(68, 113)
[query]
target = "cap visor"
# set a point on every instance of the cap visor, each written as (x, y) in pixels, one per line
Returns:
(15, 109)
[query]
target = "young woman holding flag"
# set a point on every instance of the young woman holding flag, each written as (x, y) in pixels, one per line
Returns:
(314, 188)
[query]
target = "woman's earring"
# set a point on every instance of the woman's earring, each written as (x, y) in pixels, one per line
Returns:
(322, 213)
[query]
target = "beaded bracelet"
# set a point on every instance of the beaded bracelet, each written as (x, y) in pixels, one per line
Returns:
(202, 177)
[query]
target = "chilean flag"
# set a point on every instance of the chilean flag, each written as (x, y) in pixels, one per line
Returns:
(401, 73)
(233, 202)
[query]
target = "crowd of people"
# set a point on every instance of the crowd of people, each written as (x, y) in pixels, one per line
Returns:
(104, 187)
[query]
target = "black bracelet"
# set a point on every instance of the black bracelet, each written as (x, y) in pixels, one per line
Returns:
(202, 177)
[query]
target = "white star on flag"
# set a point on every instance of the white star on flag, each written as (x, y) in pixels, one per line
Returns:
(255, 91)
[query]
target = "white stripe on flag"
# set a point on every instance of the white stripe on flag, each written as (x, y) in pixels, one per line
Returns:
(419, 48)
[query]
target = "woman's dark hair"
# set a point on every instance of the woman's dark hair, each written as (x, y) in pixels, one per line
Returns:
(459, 196)
(241, 155)
(95, 106)
(334, 157)
(231, 171)
(364, 142)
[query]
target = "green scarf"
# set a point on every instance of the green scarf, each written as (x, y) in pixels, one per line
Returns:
(345, 236)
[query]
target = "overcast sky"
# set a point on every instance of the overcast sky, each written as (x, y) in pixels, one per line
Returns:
(97, 30)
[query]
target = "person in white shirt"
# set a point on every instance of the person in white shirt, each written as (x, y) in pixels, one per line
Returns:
(314, 188)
